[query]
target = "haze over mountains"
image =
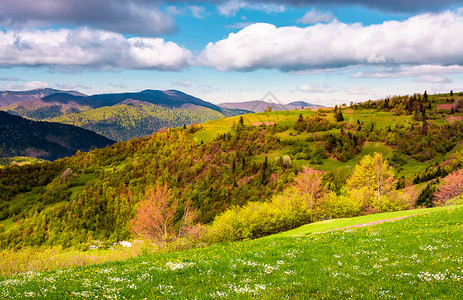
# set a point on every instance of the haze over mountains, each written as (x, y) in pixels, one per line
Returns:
(260, 106)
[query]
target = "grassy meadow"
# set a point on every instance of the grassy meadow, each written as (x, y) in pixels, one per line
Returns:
(417, 257)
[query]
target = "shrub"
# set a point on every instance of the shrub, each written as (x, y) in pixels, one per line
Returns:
(394, 201)
(257, 219)
(342, 206)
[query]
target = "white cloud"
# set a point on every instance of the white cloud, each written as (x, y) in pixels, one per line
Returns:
(195, 11)
(185, 83)
(88, 48)
(315, 16)
(124, 16)
(433, 79)
(28, 86)
(72, 86)
(427, 39)
(309, 88)
(409, 71)
(231, 8)
(240, 25)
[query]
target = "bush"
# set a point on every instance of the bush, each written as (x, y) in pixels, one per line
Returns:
(257, 219)
(394, 201)
(343, 206)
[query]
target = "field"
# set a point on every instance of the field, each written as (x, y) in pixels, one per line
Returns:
(416, 257)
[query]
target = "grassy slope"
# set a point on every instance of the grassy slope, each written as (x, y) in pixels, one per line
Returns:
(380, 119)
(418, 257)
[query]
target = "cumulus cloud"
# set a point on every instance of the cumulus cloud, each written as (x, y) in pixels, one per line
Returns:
(315, 16)
(139, 17)
(89, 49)
(421, 40)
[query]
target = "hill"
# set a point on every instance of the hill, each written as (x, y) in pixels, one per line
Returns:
(261, 106)
(46, 140)
(122, 116)
(228, 163)
(415, 257)
(11, 97)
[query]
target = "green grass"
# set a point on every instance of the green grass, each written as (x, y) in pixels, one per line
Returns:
(341, 223)
(419, 257)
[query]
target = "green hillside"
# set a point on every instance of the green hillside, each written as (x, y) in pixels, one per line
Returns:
(218, 167)
(124, 122)
(418, 257)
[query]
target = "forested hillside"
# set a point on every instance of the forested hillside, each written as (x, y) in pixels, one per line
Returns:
(46, 140)
(238, 165)
(133, 118)
(121, 116)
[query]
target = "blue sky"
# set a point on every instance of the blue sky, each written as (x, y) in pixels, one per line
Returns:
(323, 52)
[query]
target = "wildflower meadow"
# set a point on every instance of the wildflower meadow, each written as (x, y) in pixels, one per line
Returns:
(416, 257)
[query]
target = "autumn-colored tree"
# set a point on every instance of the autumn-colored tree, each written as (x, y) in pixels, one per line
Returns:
(156, 215)
(309, 184)
(155, 218)
(451, 187)
(373, 173)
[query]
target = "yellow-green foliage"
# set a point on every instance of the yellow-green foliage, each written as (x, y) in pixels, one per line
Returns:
(341, 206)
(395, 201)
(256, 219)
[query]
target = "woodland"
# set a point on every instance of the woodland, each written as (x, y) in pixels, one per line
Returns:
(235, 179)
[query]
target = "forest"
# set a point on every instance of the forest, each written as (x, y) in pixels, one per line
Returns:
(236, 178)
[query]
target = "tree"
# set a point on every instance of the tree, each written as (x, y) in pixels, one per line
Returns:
(374, 174)
(451, 187)
(155, 218)
(309, 184)
(268, 109)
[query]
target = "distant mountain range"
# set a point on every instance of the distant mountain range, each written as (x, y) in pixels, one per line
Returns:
(11, 97)
(46, 140)
(116, 116)
(260, 106)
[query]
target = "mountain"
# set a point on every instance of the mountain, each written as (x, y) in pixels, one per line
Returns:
(122, 116)
(11, 97)
(135, 118)
(261, 106)
(304, 105)
(46, 140)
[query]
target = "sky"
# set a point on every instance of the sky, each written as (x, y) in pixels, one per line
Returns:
(319, 51)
